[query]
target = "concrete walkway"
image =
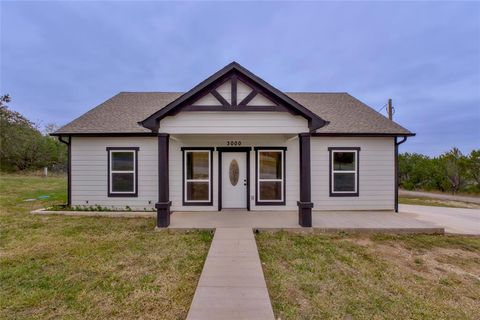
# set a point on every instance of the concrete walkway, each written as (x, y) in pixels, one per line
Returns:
(454, 220)
(232, 285)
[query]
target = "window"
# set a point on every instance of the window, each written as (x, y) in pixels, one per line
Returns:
(122, 172)
(197, 174)
(270, 176)
(344, 166)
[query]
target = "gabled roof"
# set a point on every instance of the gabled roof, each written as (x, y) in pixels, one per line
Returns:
(121, 114)
(138, 113)
(152, 122)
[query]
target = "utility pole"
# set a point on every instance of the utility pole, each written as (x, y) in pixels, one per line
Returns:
(390, 109)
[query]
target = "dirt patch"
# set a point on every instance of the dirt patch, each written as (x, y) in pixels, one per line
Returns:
(432, 264)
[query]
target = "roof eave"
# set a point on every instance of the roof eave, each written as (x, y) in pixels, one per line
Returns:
(104, 134)
(363, 134)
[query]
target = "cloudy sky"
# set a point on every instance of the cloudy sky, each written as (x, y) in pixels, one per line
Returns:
(59, 59)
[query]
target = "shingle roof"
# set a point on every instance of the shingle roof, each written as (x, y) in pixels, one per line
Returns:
(122, 112)
(346, 114)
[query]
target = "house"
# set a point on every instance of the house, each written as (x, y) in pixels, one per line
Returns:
(233, 141)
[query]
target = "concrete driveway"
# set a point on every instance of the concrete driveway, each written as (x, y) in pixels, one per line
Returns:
(454, 220)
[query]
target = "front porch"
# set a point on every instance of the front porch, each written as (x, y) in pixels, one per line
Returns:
(207, 173)
(326, 221)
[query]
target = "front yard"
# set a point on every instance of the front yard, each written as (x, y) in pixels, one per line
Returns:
(371, 277)
(90, 267)
(93, 267)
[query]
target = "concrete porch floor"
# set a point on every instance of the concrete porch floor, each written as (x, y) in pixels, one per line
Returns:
(328, 221)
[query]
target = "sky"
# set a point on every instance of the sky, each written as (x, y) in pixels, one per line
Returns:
(60, 59)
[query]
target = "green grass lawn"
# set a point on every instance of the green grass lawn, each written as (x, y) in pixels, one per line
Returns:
(90, 267)
(317, 276)
(403, 199)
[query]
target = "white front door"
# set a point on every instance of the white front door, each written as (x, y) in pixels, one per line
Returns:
(234, 180)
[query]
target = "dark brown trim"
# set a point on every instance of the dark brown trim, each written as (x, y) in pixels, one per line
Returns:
(234, 91)
(107, 134)
(247, 155)
(164, 203)
(330, 184)
(284, 158)
(219, 97)
(270, 148)
(233, 149)
(190, 203)
(350, 134)
(69, 168)
(239, 108)
(305, 204)
(197, 148)
(233, 69)
(248, 98)
(122, 148)
(397, 143)
(116, 194)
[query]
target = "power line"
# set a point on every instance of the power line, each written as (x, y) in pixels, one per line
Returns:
(382, 107)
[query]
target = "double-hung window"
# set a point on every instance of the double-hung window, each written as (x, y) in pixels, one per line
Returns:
(270, 176)
(344, 166)
(197, 173)
(122, 172)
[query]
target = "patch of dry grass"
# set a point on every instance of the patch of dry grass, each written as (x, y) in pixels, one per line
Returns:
(318, 276)
(436, 202)
(90, 267)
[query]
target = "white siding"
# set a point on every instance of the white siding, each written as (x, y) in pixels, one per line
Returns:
(234, 123)
(376, 186)
(292, 165)
(89, 171)
(242, 91)
(261, 100)
(225, 90)
(207, 100)
(376, 174)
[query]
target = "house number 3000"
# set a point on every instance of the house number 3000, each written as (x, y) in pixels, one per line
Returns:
(234, 143)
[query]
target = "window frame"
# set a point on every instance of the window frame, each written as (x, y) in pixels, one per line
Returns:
(185, 201)
(356, 152)
(258, 201)
(124, 194)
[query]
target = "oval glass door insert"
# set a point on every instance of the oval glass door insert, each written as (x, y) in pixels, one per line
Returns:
(234, 172)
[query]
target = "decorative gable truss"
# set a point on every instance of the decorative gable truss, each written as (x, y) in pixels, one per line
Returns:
(233, 88)
(234, 93)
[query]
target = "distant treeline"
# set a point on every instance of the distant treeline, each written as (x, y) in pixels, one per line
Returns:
(449, 172)
(24, 147)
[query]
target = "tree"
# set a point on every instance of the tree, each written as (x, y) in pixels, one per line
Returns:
(4, 99)
(22, 145)
(453, 164)
(473, 166)
(417, 171)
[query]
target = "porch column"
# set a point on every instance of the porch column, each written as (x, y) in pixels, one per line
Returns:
(164, 203)
(305, 204)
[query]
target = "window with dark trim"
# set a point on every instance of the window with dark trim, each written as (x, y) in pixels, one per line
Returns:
(270, 176)
(197, 176)
(344, 171)
(122, 171)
